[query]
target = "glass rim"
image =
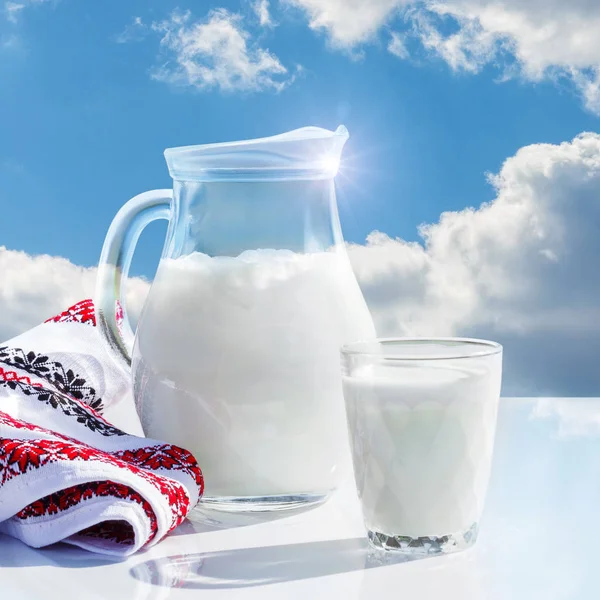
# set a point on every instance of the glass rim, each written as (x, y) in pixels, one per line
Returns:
(487, 348)
(290, 156)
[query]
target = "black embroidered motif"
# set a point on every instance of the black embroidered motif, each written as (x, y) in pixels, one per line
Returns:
(68, 406)
(65, 381)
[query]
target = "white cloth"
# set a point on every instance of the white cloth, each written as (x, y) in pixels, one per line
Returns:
(67, 474)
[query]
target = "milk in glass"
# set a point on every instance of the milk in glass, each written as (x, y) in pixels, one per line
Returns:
(422, 439)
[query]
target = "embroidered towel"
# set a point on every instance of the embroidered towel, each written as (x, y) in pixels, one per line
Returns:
(66, 473)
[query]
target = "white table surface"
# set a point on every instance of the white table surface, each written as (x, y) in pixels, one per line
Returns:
(539, 538)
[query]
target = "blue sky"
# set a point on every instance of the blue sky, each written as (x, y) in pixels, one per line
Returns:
(85, 125)
(450, 104)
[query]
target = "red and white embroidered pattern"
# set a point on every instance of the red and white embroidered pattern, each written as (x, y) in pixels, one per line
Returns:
(109, 464)
(82, 312)
(13, 376)
(117, 531)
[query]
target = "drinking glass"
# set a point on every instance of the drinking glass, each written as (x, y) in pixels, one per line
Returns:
(421, 419)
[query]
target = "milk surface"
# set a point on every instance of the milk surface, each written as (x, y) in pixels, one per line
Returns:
(237, 359)
(422, 442)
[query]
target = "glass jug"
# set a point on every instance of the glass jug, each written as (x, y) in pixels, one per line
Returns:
(236, 353)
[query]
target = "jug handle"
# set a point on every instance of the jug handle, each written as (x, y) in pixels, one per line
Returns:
(114, 264)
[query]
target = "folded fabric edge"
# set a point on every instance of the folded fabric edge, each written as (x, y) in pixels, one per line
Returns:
(57, 480)
(68, 528)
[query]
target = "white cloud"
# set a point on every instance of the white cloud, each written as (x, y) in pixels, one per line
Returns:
(467, 49)
(349, 22)
(397, 45)
(521, 269)
(12, 10)
(261, 8)
(543, 33)
(588, 82)
(217, 52)
(575, 417)
(34, 288)
(136, 31)
(535, 39)
(9, 42)
(544, 38)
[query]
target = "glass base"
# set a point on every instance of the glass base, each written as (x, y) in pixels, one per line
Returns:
(444, 544)
(261, 503)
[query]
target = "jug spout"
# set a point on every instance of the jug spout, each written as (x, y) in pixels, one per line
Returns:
(331, 153)
(306, 153)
